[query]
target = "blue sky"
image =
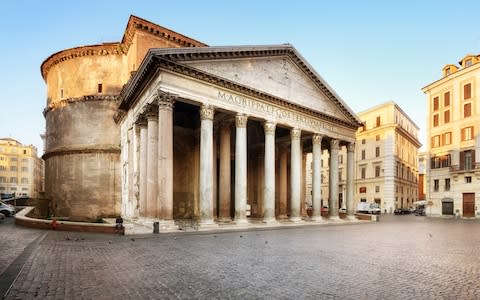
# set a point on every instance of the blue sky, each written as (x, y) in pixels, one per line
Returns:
(370, 52)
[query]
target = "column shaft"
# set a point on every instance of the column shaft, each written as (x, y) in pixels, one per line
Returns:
(165, 159)
(350, 175)
(206, 165)
(295, 175)
(317, 177)
(152, 159)
(142, 191)
(241, 169)
(225, 174)
(333, 182)
(283, 184)
(269, 174)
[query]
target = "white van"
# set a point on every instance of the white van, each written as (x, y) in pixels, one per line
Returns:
(6, 209)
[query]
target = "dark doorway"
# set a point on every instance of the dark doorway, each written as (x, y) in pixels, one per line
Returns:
(447, 208)
(469, 204)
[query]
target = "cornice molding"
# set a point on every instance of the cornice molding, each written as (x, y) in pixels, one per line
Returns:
(119, 48)
(92, 50)
(64, 102)
(135, 23)
(64, 152)
(168, 62)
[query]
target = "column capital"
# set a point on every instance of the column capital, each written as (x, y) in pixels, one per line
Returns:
(164, 100)
(241, 120)
(141, 121)
(295, 134)
(334, 144)
(317, 139)
(207, 112)
(151, 111)
(225, 125)
(350, 147)
(269, 128)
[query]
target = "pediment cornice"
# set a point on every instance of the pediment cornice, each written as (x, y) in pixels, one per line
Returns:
(171, 59)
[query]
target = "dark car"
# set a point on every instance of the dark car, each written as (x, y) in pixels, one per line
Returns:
(420, 212)
(402, 211)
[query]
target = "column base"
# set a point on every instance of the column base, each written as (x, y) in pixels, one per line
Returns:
(351, 218)
(224, 220)
(241, 222)
(206, 225)
(295, 219)
(334, 218)
(270, 221)
(317, 219)
(167, 225)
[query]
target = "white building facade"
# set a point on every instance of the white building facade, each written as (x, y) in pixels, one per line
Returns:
(207, 132)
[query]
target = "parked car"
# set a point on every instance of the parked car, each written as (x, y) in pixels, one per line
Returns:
(2, 217)
(6, 209)
(420, 212)
(368, 208)
(402, 211)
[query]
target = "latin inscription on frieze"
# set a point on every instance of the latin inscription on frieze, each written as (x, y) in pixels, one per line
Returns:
(274, 112)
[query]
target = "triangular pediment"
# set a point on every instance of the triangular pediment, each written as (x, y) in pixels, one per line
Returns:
(275, 72)
(278, 76)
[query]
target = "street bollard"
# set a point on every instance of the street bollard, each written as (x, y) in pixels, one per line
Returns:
(155, 227)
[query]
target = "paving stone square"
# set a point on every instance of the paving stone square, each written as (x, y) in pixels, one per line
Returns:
(400, 257)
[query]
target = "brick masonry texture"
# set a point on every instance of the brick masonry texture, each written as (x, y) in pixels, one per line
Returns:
(400, 257)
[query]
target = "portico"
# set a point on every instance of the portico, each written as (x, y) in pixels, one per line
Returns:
(217, 130)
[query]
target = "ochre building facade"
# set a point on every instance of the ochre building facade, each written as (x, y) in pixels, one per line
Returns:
(453, 142)
(21, 170)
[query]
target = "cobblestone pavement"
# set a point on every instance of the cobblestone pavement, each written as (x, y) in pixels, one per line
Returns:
(400, 257)
(13, 240)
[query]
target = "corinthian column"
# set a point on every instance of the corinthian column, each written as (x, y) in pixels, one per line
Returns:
(350, 174)
(152, 158)
(282, 210)
(269, 175)
(241, 169)
(333, 182)
(165, 161)
(317, 177)
(225, 174)
(206, 165)
(295, 175)
(142, 190)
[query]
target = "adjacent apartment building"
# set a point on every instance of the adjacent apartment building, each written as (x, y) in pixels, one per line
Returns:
(453, 143)
(21, 171)
(386, 160)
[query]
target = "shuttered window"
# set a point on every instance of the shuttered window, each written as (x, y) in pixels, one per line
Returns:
(446, 99)
(467, 160)
(447, 138)
(446, 116)
(467, 110)
(467, 91)
(435, 103)
(467, 133)
(435, 120)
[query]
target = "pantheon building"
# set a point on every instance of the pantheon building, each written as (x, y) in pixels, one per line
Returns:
(161, 128)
